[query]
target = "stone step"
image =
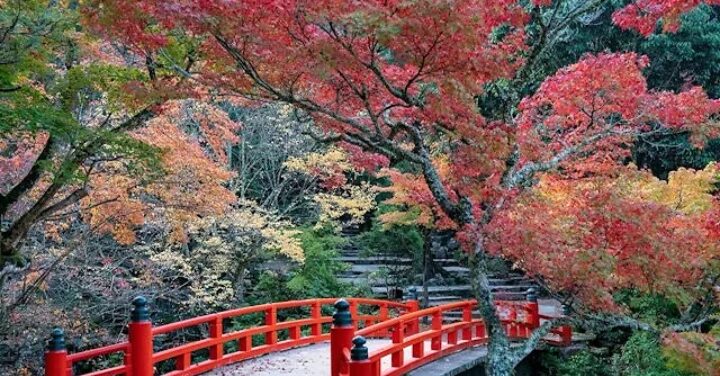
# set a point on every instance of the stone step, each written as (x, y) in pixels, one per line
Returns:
(443, 290)
(512, 288)
(372, 268)
(444, 297)
(457, 270)
(375, 260)
(440, 300)
(362, 281)
(391, 260)
(510, 281)
(507, 295)
(520, 290)
(446, 262)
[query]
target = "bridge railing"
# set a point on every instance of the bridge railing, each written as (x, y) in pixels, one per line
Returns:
(139, 359)
(414, 345)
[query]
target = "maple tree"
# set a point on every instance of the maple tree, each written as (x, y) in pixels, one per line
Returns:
(649, 241)
(91, 133)
(398, 79)
(218, 260)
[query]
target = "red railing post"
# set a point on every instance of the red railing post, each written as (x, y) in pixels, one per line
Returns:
(565, 333)
(182, 361)
(383, 316)
(245, 343)
(533, 309)
(436, 342)
(216, 332)
(414, 324)
(467, 317)
(271, 321)
(566, 330)
(316, 315)
(359, 363)
(341, 335)
(480, 330)
(398, 336)
(512, 330)
(56, 363)
(141, 339)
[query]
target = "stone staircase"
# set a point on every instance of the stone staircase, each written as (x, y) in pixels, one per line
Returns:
(384, 276)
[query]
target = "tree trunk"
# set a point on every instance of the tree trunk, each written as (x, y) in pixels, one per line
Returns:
(500, 359)
(499, 362)
(427, 267)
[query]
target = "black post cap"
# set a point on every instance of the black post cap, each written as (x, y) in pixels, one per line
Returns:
(566, 309)
(359, 351)
(531, 295)
(140, 310)
(342, 316)
(57, 340)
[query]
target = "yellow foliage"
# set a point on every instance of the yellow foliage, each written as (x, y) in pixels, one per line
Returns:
(686, 190)
(340, 199)
(222, 247)
(356, 201)
(312, 163)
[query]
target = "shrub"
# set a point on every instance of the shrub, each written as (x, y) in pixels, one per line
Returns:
(642, 356)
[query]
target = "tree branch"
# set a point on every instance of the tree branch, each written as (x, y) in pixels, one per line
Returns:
(29, 180)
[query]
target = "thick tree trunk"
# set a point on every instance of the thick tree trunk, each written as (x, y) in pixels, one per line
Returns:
(500, 359)
(427, 267)
(499, 362)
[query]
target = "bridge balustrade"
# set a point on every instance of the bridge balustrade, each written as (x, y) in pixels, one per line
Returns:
(417, 337)
(429, 343)
(139, 358)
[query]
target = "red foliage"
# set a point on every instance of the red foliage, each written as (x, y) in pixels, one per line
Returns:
(643, 15)
(588, 239)
(600, 103)
(18, 154)
(397, 79)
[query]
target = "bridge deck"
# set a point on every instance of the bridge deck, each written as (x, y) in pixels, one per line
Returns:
(314, 360)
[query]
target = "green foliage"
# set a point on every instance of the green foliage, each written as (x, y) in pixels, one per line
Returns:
(316, 277)
(398, 240)
(650, 308)
(583, 363)
(43, 88)
(642, 356)
(689, 56)
(94, 80)
(32, 35)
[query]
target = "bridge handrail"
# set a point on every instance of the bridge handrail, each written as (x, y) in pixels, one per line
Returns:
(412, 316)
(231, 313)
(93, 353)
(456, 336)
(139, 358)
(59, 363)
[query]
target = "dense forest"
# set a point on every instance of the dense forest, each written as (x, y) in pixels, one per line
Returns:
(216, 154)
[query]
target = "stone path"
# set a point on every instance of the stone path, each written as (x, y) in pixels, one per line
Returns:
(313, 360)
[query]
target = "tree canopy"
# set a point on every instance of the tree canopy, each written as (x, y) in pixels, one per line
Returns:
(460, 105)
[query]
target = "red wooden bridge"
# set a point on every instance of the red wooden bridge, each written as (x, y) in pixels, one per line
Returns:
(423, 333)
